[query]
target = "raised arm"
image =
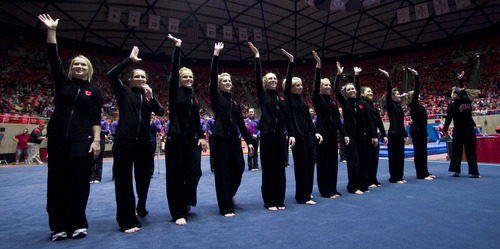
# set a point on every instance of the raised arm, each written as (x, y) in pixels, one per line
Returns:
(317, 75)
(389, 87)
(214, 90)
(176, 61)
(336, 84)
(51, 27)
(460, 79)
(258, 72)
(416, 91)
(289, 74)
(357, 85)
(113, 74)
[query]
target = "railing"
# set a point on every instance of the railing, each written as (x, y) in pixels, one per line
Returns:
(11, 118)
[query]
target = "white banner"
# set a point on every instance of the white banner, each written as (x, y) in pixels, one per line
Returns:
(421, 11)
(257, 35)
(370, 2)
(243, 34)
(441, 7)
(404, 15)
(154, 22)
(228, 32)
(134, 18)
(173, 25)
(114, 14)
(462, 3)
(337, 5)
(211, 30)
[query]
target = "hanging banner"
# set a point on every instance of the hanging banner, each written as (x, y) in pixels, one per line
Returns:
(134, 17)
(154, 22)
(114, 14)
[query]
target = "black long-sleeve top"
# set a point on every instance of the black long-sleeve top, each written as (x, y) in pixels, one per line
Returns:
(417, 112)
(357, 120)
(135, 107)
(184, 107)
(376, 119)
(373, 112)
(275, 114)
(227, 111)
(328, 116)
(78, 103)
(301, 118)
(460, 111)
(395, 113)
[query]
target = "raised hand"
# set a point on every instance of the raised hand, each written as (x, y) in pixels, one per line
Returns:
(316, 57)
(218, 47)
(357, 70)
(340, 69)
(177, 41)
(290, 56)
(385, 73)
(460, 75)
(48, 21)
(254, 50)
(134, 54)
(413, 71)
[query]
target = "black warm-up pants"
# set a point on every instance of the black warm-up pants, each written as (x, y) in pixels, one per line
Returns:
(96, 174)
(357, 160)
(396, 151)
(303, 163)
(469, 140)
(327, 165)
(372, 166)
(183, 158)
(229, 166)
(130, 154)
(253, 161)
(273, 170)
(68, 188)
(420, 154)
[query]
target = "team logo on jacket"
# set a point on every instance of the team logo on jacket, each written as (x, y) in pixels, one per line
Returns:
(88, 93)
(235, 102)
(147, 99)
(333, 102)
(282, 98)
(196, 100)
(360, 107)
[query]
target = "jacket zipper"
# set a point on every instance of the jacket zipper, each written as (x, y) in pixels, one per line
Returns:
(72, 111)
(140, 119)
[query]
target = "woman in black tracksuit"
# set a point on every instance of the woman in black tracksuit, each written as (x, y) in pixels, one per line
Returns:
(131, 144)
(184, 142)
(74, 132)
(358, 126)
(373, 151)
(275, 118)
(397, 132)
(305, 134)
(228, 156)
(460, 111)
(330, 127)
(418, 131)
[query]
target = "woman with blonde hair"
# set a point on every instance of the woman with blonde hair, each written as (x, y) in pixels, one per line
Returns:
(75, 132)
(305, 135)
(185, 140)
(331, 129)
(275, 119)
(228, 156)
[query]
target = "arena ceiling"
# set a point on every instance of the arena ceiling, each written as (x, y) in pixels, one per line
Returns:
(290, 24)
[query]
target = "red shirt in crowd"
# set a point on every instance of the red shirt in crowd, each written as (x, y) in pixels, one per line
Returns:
(22, 140)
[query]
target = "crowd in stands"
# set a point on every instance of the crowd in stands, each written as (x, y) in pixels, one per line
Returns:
(26, 86)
